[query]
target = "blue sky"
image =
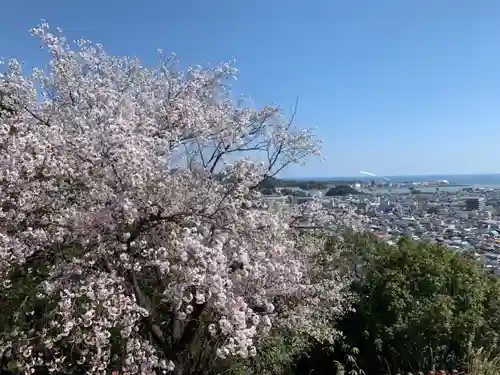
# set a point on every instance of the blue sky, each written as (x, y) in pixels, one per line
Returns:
(393, 87)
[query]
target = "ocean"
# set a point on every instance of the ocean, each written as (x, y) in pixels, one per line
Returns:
(465, 179)
(469, 180)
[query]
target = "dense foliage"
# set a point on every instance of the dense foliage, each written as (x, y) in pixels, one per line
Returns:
(131, 235)
(341, 190)
(419, 305)
(318, 184)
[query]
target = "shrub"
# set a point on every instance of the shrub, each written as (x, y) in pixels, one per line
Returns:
(419, 305)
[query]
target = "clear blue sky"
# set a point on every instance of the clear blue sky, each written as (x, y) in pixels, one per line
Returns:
(394, 87)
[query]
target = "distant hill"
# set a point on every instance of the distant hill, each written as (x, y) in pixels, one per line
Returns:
(272, 183)
(341, 190)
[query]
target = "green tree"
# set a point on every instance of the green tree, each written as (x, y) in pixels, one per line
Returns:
(277, 355)
(419, 305)
(341, 190)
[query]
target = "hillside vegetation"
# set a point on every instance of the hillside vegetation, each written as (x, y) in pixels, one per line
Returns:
(133, 239)
(317, 184)
(417, 307)
(342, 190)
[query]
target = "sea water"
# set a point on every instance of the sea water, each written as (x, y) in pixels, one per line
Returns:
(467, 180)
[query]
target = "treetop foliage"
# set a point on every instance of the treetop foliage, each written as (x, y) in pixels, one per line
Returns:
(419, 304)
(131, 236)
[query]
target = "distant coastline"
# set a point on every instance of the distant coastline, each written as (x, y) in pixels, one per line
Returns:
(399, 184)
(454, 180)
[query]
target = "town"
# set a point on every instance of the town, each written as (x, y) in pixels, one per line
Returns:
(465, 218)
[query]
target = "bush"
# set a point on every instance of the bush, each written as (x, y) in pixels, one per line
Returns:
(419, 305)
(278, 354)
(483, 362)
(341, 190)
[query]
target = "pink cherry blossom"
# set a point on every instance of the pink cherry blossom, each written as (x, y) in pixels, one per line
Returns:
(136, 188)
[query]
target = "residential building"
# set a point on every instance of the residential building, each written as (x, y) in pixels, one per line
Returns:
(474, 203)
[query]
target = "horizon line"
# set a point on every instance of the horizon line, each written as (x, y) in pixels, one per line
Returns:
(360, 176)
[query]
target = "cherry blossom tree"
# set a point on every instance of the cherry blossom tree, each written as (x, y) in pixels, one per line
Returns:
(132, 236)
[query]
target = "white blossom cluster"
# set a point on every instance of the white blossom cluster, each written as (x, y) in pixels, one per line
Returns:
(129, 194)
